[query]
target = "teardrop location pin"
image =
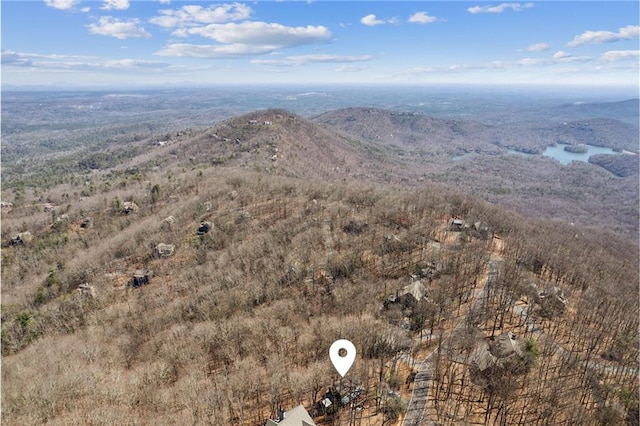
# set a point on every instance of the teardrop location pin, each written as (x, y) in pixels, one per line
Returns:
(342, 364)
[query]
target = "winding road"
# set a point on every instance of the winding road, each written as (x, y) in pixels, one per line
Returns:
(416, 409)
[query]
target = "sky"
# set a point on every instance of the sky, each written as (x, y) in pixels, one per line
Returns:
(127, 43)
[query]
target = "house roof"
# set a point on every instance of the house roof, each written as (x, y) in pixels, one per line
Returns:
(297, 416)
(553, 292)
(482, 357)
(506, 345)
(416, 289)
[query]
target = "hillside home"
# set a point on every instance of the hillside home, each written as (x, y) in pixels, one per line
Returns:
(128, 207)
(21, 238)
(506, 345)
(295, 417)
(204, 228)
(87, 290)
(163, 250)
(141, 277)
(410, 295)
(504, 350)
(552, 300)
(456, 224)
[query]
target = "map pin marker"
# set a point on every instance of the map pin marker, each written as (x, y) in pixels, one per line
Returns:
(342, 364)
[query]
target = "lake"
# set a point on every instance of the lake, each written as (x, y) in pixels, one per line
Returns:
(565, 157)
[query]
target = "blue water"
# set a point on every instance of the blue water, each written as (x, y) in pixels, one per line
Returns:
(557, 152)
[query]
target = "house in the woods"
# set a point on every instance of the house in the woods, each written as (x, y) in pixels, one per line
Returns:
(204, 227)
(141, 277)
(87, 290)
(411, 295)
(456, 224)
(21, 239)
(552, 301)
(504, 351)
(129, 207)
(295, 417)
(506, 345)
(163, 250)
(481, 230)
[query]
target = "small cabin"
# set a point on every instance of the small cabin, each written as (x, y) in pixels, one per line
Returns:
(552, 301)
(21, 239)
(128, 207)
(141, 277)
(456, 224)
(87, 290)
(204, 227)
(295, 417)
(410, 296)
(163, 250)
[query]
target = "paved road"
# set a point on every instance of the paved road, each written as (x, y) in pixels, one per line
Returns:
(416, 410)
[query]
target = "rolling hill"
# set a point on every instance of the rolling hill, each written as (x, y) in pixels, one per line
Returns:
(256, 242)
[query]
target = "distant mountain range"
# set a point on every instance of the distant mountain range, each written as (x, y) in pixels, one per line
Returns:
(627, 111)
(438, 136)
(378, 146)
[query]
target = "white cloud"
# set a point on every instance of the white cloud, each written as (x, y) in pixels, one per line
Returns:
(113, 27)
(371, 20)
(212, 50)
(246, 38)
(12, 58)
(115, 5)
(133, 63)
(420, 70)
(85, 9)
(316, 58)
(557, 58)
(422, 18)
(75, 62)
(616, 55)
(499, 8)
(538, 47)
(534, 61)
(598, 37)
(61, 4)
(191, 15)
(350, 68)
(561, 55)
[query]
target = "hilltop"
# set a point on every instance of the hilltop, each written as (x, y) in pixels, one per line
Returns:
(255, 242)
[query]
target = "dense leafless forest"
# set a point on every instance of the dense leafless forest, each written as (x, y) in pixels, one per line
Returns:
(199, 273)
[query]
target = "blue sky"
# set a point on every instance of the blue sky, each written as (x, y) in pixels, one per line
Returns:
(128, 42)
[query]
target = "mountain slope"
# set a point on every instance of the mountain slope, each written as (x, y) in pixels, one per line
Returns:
(235, 323)
(413, 132)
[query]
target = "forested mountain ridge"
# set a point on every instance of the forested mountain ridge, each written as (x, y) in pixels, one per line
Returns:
(412, 131)
(439, 136)
(627, 111)
(286, 235)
